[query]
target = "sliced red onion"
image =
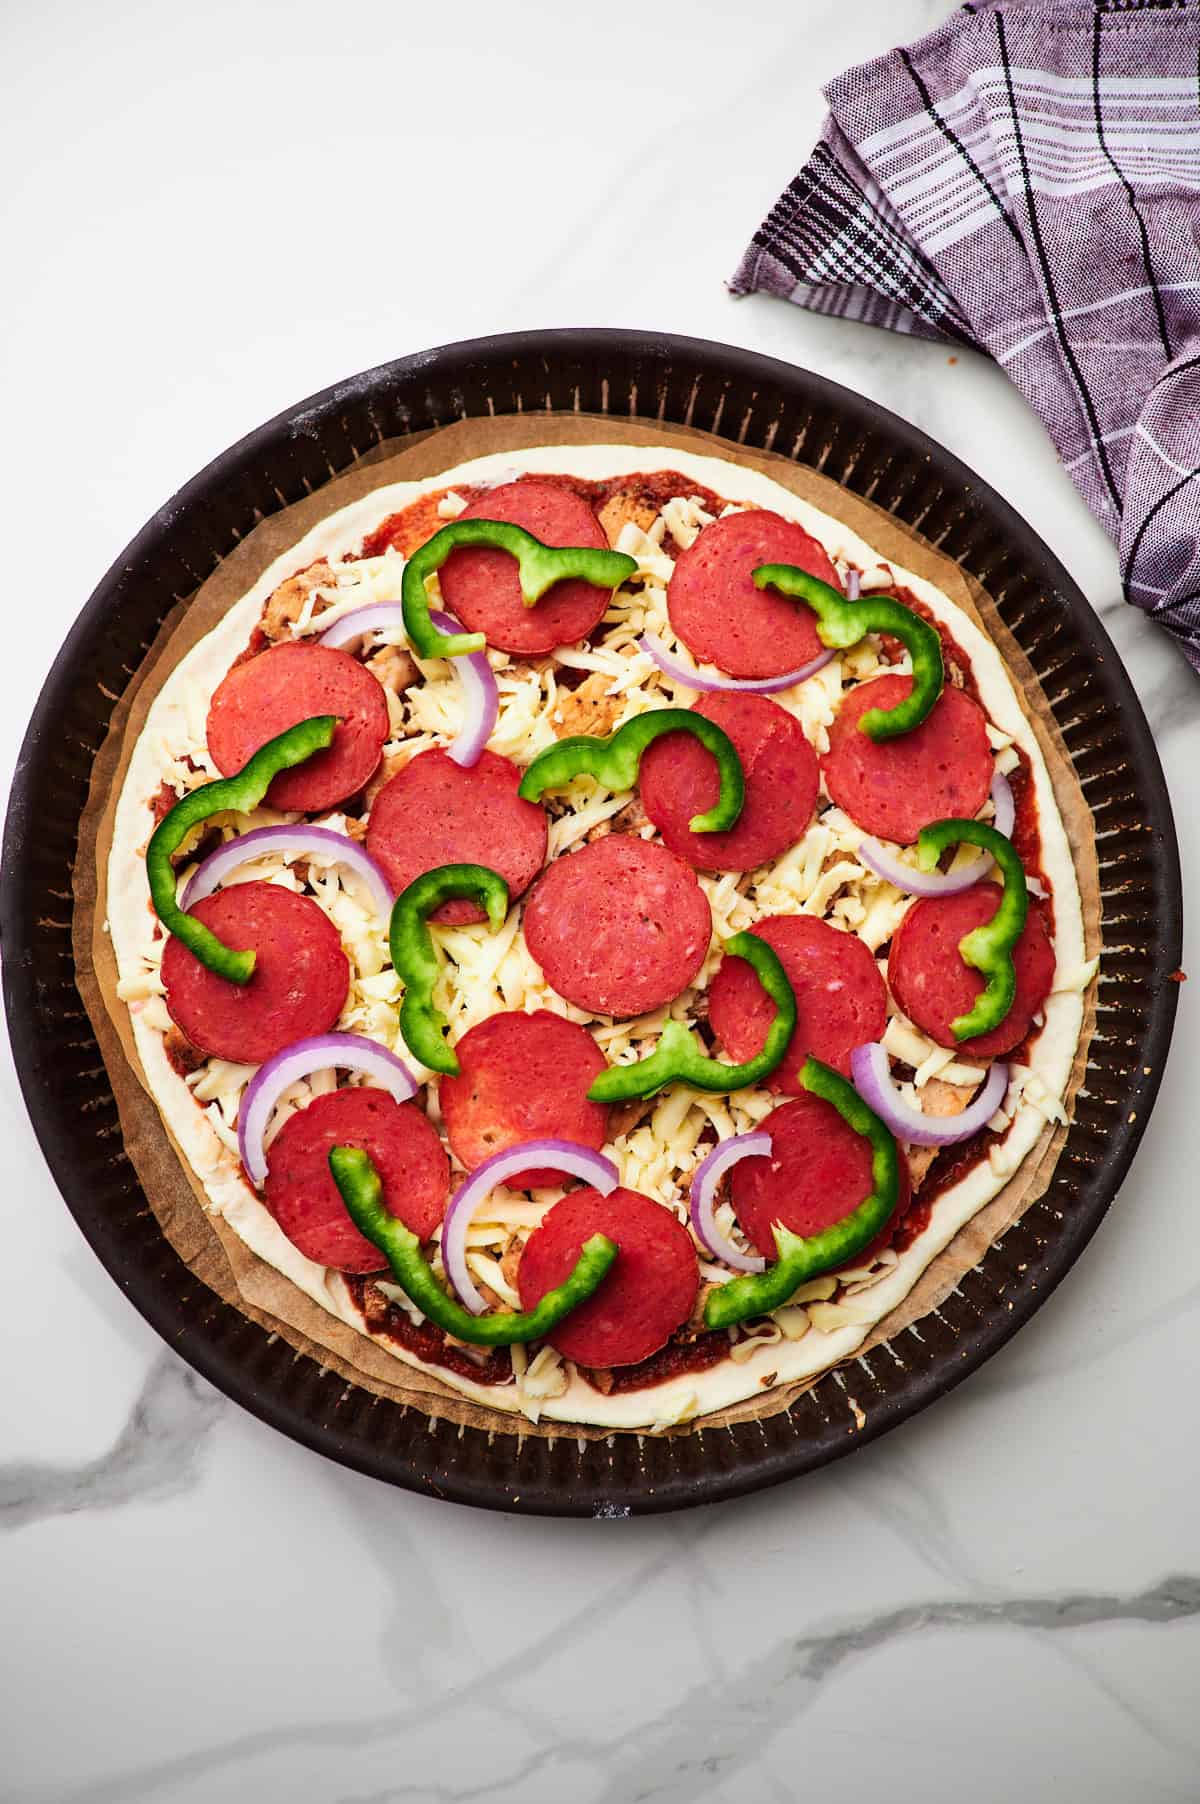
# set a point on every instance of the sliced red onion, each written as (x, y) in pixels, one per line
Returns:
(481, 698)
(296, 841)
(873, 1080)
(680, 672)
(1005, 805)
(372, 617)
(559, 1155)
(347, 1052)
(894, 869)
(853, 584)
(703, 1197)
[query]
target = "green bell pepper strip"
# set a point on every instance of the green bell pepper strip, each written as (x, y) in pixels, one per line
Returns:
(680, 1059)
(989, 948)
(615, 762)
(539, 567)
(359, 1187)
(803, 1258)
(842, 623)
(240, 794)
(414, 956)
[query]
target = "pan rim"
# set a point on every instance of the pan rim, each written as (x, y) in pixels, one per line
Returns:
(439, 372)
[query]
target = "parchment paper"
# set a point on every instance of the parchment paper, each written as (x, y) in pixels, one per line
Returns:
(211, 1250)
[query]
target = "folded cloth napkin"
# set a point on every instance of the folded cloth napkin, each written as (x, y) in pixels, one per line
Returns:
(1026, 180)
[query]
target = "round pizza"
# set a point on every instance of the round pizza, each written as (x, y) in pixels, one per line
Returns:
(597, 929)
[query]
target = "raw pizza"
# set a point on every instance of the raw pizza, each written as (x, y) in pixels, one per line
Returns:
(763, 1144)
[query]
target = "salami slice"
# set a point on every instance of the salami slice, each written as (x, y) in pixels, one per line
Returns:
(481, 586)
(433, 812)
(679, 778)
(649, 1292)
(841, 1000)
(894, 787)
(523, 1077)
(298, 986)
(720, 615)
(406, 1152)
(818, 1171)
(619, 927)
(262, 697)
(933, 986)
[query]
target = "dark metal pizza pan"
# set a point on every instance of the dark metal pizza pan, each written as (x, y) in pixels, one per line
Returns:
(763, 403)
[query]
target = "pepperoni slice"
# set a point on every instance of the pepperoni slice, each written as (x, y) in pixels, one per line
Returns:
(433, 812)
(719, 614)
(650, 1289)
(271, 692)
(818, 1171)
(894, 787)
(619, 927)
(933, 986)
(298, 986)
(523, 1077)
(679, 778)
(841, 1001)
(406, 1152)
(481, 586)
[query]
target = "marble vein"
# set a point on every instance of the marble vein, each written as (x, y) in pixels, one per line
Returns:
(156, 1455)
(710, 1733)
(902, 1500)
(683, 1752)
(672, 1762)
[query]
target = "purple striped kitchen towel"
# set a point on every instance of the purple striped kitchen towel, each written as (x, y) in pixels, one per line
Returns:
(1026, 180)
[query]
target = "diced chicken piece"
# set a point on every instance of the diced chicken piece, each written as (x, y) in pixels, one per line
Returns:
(286, 605)
(937, 1098)
(388, 769)
(626, 506)
(182, 1056)
(625, 1116)
(510, 1263)
(695, 1326)
(630, 819)
(588, 709)
(394, 668)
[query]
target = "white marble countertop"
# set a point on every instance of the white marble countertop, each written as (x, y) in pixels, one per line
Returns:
(218, 209)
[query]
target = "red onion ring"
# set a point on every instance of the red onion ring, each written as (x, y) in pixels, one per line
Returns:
(372, 617)
(682, 673)
(873, 1080)
(893, 869)
(703, 1197)
(349, 1052)
(1005, 805)
(481, 697)
(560, 1155)
(291, 841)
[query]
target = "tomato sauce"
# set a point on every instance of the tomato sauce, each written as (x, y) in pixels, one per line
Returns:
(672, 1361)
(430, 1344)
(427, 1341)
(411, 527)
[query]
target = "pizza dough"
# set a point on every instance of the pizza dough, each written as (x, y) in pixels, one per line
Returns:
(594, 686)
